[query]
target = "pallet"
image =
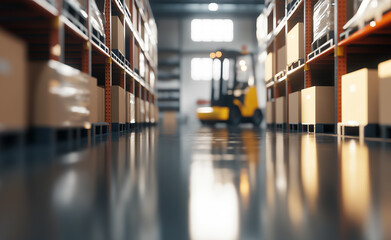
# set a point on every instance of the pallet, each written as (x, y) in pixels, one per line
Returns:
(118, 127)
(292, 6)
(280, 75)
(271, 126)
(281, 127)
(74, 15)
(99, 40)
(49, 135)
(347, 33)
(118, 56)
(322, 40)
(127, 65)
(12, 139)
(362, 131)
(99, 129)
(318, 128)
(295, 127)
(385, 131)
(127, 12)
(295, 64)
(321, 49)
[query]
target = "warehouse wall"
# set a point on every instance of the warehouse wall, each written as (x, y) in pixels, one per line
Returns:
(176, 33)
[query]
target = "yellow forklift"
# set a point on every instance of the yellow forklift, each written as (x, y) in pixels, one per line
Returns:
(234, 94)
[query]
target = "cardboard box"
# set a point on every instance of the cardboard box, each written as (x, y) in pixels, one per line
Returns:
(118, 105)
(384, 72)
(132, 108)
(142, 111)
(295, 108)
(295, 43)
(281, 110)
(93, 106)
(360, 97)
(60, 95)
(127, 3)
(270, 112)
(13, 83)
(138, 112)
(147, 112)
(101, 104)
(281, 59)
(269, 67)
(317, 105)
(127, 107)
(117, 34)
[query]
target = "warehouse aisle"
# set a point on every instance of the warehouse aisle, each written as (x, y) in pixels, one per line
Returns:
(198, 183)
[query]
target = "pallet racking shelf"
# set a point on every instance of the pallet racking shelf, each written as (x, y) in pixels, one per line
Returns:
(52, 32)
(346, 50)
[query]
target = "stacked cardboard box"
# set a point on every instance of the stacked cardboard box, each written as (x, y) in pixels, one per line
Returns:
(269, 67)
(317, 105)
(360, 97)
(295, 108)
(281, 59)
(384, 71)
(60, 95)
(295, 43)
(101, 104)
(118, 104)
(13, 87)
(270, 112)
(117, 34)
(280, 110)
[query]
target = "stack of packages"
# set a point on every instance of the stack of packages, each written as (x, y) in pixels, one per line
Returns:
(323, 19)
(97, 21)
(367, 10)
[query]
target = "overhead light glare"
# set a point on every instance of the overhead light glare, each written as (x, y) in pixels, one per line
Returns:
(213, 7)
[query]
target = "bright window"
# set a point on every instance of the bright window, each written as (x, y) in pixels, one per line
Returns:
(201, 69)
(212, 30)
(204, 69)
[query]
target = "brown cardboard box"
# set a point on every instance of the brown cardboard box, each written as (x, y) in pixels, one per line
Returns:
(101, 104)
(269, 67)
(93, 100)
(360, 97)
(295, 107)
(127, 3)
(317, 105)
(13, 89)
(281, 110)
(118, 110)
(270, 112)
(384, 93)
(138, 112)
(117, 34)
(60, 95)
(147, 112)
(128, 107)
(295, 43)
(132, 108)
(136, 58)
(152, 112)
(281, 59)
(142, 111)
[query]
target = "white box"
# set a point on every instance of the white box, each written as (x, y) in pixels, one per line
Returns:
(384, 72)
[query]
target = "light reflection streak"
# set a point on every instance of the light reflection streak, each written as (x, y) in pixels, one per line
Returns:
(309, 169)
(355, 181)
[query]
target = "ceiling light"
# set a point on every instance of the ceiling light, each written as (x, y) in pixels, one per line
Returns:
(213, 7)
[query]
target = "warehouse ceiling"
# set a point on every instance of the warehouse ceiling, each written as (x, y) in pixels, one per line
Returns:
(200, 7)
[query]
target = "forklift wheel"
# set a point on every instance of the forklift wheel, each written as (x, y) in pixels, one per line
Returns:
(235, 117)
(257, 117)
(207, 123)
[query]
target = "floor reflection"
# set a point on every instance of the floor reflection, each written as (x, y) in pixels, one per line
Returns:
(198, 183)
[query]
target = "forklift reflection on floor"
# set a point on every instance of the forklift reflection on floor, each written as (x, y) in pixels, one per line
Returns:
(236, 99)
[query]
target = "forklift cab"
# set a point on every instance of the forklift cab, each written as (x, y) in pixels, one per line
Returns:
(233, 90)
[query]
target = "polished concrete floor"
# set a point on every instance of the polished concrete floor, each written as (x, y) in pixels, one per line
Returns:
(198, 183)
